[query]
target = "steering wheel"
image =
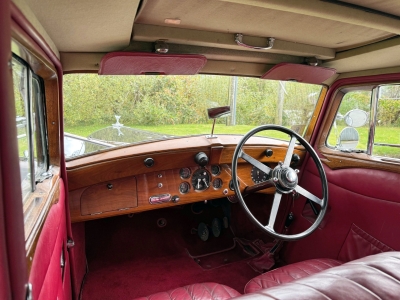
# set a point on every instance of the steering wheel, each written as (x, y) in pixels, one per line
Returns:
(283, 178)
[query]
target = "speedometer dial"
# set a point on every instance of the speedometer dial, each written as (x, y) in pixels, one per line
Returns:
(258, 176)
(201, 180)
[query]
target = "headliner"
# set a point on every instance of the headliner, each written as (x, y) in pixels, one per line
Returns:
(342, 34)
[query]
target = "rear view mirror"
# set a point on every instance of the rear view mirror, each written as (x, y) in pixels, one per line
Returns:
(215, 113)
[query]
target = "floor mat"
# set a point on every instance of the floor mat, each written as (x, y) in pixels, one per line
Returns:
(241, 250)
(133, 257)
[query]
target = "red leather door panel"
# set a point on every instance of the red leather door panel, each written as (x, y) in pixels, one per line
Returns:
(358, 198)
(48, 278)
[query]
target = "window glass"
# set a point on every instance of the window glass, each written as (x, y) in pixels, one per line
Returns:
(20, 81)
(39, 132)
(350, 128)
(31, 129)
(387, 129)
(101, 112)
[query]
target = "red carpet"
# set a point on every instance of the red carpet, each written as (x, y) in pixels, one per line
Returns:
(133, 257)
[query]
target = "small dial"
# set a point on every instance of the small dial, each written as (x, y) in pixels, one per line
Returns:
(215, 170)
(201, 180)
(258, 176)
(184, 187)
(184, 173)
(217, 183)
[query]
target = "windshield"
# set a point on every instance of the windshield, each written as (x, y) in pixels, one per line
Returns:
(101, 112)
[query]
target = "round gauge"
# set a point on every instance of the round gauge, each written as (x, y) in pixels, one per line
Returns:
(217, 183)
(215, 170)
(184, 173)
(201, 180)
(258, 176)
(184, 187)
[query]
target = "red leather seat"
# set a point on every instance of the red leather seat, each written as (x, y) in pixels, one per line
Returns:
(198, 291)
(289, 273)
(372, 277)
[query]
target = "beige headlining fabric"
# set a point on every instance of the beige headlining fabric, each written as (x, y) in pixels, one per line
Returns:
(221, 16)
(87, 25)
(348, 39)
(27, 12)
(387, 6)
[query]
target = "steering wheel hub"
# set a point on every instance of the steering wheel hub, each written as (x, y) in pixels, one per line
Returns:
(285, 179)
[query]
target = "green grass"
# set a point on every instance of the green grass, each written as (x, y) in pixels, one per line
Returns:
(389, 135)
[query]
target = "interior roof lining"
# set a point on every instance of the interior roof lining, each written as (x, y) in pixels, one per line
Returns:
(362, 8)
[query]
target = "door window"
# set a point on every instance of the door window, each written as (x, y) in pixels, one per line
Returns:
(368, 121)
(31, 131)
(386, 142)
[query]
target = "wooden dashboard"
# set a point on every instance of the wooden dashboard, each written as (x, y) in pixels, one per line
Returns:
(119, 182)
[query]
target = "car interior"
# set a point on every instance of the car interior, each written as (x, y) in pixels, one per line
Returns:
(199, 149)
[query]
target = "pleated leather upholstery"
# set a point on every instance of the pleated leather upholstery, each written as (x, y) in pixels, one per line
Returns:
(289, 273)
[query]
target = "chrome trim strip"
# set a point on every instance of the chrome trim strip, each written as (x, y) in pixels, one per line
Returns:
(29, 104)
(80, 138)
(372, 120)
(387, 145)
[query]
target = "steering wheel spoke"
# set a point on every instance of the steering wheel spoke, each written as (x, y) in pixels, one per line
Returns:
(274, 210)
(289, 153)
(255, 162)
(308, 195)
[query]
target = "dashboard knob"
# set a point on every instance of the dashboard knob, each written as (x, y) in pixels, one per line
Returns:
(201, 159)
(295, 159)
(149, 162)
(269, 152)
(175, 199)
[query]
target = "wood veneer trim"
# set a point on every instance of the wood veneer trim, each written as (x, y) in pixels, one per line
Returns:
(335, 159)
(51, 198)
(170, 159)
(177, 144)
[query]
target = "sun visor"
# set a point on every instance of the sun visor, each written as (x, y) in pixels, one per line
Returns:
(139, 63)
(299, 73)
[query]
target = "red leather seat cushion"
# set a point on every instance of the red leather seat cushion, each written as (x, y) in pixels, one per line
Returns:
(369, 278)
(198, 291)
(289, 273)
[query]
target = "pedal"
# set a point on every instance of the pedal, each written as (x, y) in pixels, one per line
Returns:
(203, 232)
(216, 227)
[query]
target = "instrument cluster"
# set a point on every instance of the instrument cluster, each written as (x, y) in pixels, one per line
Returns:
(200, 179)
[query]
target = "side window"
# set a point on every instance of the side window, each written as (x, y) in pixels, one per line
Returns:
(349, 131)
(386, 141)
(31, 130)
(368, 121)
